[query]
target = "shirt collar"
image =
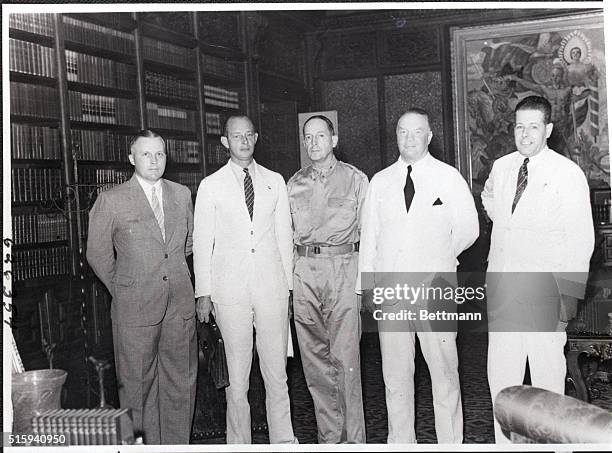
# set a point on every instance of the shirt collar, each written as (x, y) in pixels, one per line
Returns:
(421, 163)
(147, 186)
(322, 173)
(239, 171)
(534, 161)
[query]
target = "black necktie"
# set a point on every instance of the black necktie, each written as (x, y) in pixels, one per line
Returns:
(249, 193)
(521, 183)
(409, 189)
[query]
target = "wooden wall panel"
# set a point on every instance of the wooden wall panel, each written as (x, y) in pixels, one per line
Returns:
(220, 28)
(281, 49)
(356, 101)
(422, 90)
(341, 53)
(412, 46)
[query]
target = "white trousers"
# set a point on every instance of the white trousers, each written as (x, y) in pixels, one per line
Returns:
(440, 352)
(236, 325)
(507, 359)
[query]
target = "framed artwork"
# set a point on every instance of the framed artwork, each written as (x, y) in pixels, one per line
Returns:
(302, 117)
(496, 66)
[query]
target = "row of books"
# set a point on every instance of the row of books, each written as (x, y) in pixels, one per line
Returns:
(86, 426)
(100, 145)
(213, 123)
(183, 151)
(36, 184)
(187, 178)
(103, 178)
(165, 52)
(38, 23)
(216, 154)
(98, 36)
(43, 262)
(102, 109)
(221, 97)
(31, 58)
(34, 100)
(35, 228)
(34, 142)
(99, 71)
(169, 86)
(221, 67)
(160, 116)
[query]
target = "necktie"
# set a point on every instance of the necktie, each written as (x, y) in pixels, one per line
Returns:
(409, 189)
(249, 194)
(158, 212)
(521, 183)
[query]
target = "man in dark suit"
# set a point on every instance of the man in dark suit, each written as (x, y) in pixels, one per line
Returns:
(140, 234)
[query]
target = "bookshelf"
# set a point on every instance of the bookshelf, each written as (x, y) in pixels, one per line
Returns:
(40, 233)
(80, 86)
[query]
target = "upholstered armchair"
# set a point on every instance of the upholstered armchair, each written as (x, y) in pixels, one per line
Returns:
(533, 415)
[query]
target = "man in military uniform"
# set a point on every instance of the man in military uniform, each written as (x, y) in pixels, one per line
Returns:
(326, 200)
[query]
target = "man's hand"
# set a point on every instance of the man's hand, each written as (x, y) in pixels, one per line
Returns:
(568, 308)
(204, 308)
(290, 304)
(367, 300)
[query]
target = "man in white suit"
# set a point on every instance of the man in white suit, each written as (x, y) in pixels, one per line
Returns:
(539, 203)
(243, 257)
(419, 215)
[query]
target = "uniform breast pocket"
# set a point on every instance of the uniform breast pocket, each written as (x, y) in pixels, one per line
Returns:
(300, 215)
(345, 208)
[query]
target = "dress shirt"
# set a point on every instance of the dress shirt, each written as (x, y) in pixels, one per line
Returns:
(442, 221)
(326, 204)
(552, 226)
(239, 172)
(146, 186)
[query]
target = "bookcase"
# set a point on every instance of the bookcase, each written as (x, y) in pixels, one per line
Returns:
(80, 86)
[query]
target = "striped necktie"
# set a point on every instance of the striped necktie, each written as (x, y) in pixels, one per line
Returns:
(521, 183)
(158, 212)
(249, 193)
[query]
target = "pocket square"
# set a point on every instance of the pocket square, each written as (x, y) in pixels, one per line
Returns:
(438, 202)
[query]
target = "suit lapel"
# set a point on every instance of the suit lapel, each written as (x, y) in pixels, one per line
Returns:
(170, 210)
(263, 189)
(235, 192)
(141, 203)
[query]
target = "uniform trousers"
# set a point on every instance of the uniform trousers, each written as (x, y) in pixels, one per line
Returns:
(236, 325)
(157, 368)
(328, 326)
(507, 358)
(440, 352)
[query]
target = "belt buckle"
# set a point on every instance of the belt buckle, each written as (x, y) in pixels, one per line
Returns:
(316, 250)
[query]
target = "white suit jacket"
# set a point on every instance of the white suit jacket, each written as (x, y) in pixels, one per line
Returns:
(233, 256)
(442, 221)
(551, 229)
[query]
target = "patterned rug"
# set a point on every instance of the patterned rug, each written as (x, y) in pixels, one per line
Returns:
(477, 410)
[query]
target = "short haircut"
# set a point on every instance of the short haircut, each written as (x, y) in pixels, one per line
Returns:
(536, 103)
(417, 111)
(330, 125)
(232, 117)
(145, 133)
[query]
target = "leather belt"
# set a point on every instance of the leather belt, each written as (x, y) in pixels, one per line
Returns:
(326, 250)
